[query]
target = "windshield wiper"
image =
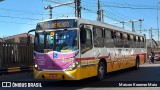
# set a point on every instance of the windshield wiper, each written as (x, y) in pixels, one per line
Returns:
(66, 47)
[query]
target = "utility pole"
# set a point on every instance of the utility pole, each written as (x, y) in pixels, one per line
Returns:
(132, 21)
(123, 23)
(157, 22)
(58, 5)
(50, 10)
(150, 31)
(140, 20)
(99, 12)
(77, 8)
(120, 22)
(102, 16)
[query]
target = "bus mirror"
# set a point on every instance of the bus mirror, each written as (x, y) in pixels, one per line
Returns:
(33, 30)
(81, 26)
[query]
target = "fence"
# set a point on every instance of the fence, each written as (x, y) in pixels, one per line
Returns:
(15, 56)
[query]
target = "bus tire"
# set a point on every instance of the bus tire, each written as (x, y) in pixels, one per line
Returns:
(137, 64)
(101, 71)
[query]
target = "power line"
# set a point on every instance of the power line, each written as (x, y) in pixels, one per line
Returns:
(93, 4)
(127, 4)
(130, 7)
(22, 11)
(83, 8)
(18, 17)
(1, 21)
(121, 16)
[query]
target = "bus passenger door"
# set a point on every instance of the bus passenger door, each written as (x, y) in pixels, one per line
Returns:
(86, 51)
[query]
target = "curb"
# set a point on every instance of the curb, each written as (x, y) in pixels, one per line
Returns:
(15, 69)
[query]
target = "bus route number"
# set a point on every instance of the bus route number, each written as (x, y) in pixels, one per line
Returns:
(60, 24)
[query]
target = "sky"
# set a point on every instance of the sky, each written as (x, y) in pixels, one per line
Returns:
(20, 16)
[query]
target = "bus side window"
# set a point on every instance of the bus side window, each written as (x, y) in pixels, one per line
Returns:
(117, 39)
(126, 38)
(85, 39)
(113, 34)
(98, 37)
(138, 42)
(109, 38)
(142, 42)
(132, 41)
(36, 41)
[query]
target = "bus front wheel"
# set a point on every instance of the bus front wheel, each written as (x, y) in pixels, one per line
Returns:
(137, 63)
(101, 71)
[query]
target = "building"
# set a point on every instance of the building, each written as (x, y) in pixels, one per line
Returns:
(158, 42)
(19, 38)
(151, 43)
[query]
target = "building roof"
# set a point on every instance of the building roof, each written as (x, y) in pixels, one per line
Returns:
(18, 38)
(17, 35)
(154, 43)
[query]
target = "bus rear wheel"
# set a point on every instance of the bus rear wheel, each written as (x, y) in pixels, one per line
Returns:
(101, 71)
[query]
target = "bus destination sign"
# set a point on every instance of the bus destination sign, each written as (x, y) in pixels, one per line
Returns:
(57, 24)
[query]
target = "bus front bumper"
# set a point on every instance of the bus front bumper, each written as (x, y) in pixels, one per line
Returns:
(58, 75)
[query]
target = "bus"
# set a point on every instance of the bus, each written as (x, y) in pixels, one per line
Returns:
(76, 48)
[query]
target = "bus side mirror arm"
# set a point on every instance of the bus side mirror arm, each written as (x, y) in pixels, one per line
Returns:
(33, 30)
(28, 36)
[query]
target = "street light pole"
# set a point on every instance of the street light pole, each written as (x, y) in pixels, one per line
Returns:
(58, 5)
(151, 36)
(140, 20)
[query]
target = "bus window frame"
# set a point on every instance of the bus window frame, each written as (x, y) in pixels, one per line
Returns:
(83, 50)
(102, 36)
(110, 43)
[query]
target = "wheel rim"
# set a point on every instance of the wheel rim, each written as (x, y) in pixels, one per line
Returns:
(101, 71)
(137, 64)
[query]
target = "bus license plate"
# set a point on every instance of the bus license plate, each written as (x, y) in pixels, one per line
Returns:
(53, 75)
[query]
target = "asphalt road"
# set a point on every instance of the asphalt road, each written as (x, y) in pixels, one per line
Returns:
(146, 72)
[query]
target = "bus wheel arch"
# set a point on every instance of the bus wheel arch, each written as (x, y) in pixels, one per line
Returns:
(102, 67)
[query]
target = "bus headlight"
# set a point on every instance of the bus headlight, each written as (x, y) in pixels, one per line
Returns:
(72, 66)
(36, 67)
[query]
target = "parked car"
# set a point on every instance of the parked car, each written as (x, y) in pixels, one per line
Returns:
(157, 55)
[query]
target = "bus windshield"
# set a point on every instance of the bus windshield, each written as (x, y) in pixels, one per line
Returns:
(56, 40)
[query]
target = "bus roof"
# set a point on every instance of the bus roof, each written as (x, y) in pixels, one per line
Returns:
(97, 23)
